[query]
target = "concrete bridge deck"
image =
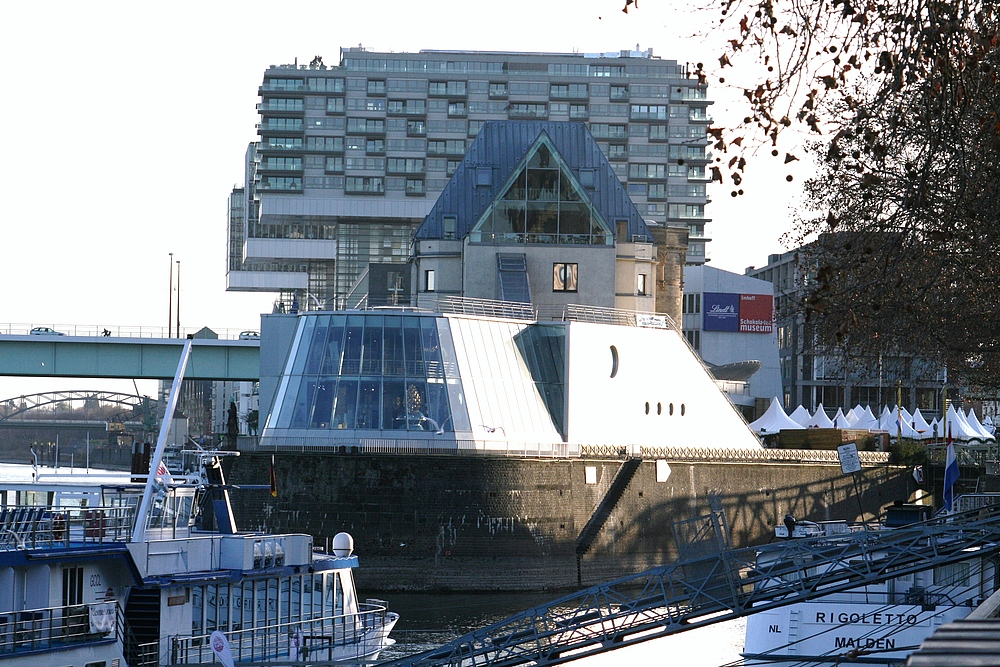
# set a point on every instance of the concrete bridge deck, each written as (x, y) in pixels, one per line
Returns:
(127, 357)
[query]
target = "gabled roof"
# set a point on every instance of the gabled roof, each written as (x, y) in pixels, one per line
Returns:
(501, 147)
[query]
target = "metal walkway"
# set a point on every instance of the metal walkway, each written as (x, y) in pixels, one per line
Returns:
(721, 587)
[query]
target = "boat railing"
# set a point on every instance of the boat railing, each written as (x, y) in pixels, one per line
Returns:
(30, 527)
(54, 628)
(348, 635)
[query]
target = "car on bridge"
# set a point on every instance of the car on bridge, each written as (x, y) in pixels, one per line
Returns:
(250, 335)
(46, 331)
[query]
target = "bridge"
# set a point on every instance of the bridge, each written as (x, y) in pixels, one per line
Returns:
(127, 357)
(710, 589)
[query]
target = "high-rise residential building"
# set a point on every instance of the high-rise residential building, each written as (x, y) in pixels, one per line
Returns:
(350, 159)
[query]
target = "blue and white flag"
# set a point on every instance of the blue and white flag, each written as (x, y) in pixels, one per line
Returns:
(950, 477)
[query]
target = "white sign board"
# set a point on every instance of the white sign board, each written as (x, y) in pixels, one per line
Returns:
(849, 459)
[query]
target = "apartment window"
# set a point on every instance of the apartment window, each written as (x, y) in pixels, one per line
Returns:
(609, 131)
(446, 88)
(578, 111)
(335, 164)
(333, 144)
(647, 171)
(284, 143)
(575, 91)
(658, 133)
(429, 281)
(607, 70)
(376, 86)
(649, 112)
(692, 303)
(619, 92)
(498, 90)
(408, 107)
(375, 147)
(475, 126)
(564, 277)
(686, 211)
(291, 124)
(523, 110)
(416, 128)
(399, 165)
(687, 131)
(693, 337)
(687, 190)
(446, 147)
(450, 224)
(364, 185)
(559, 108)
(326, 85)
(282, 164)
(617, 152)
(366, 125)
(452, 167)
(457, 109)
(365, 104)
(415, 186)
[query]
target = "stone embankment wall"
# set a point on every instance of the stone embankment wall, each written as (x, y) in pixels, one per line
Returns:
(485, 523)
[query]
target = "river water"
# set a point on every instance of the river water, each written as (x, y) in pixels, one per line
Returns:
(429, 620)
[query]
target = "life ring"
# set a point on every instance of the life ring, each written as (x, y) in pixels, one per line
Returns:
(59, 527)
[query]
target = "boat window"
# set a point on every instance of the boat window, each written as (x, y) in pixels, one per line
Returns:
(953, 574)
(223, 606)
(211, 600)
(296, 604)
(284, 601)
(317, 603)
(197, 610)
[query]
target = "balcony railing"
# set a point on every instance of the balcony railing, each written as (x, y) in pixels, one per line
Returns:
(27, 527)
(58, 628)
(323, 637)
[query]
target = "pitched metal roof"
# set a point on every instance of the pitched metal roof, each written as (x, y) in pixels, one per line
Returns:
(501, 147)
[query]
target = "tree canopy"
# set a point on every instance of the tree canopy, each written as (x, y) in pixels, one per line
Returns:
(901, 98)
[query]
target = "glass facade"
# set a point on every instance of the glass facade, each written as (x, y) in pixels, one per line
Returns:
(542, 203)
(373, 372)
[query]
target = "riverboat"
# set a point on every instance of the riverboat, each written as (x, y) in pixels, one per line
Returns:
(878, 624)
(93, 576)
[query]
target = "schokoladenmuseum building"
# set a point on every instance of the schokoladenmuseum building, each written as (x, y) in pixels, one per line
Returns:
(350, 159)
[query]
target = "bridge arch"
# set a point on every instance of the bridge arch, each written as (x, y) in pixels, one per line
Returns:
(15, 406)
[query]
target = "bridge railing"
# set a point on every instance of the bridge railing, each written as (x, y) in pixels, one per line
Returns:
(114, 330)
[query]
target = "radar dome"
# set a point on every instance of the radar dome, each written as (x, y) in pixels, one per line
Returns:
(343, 545)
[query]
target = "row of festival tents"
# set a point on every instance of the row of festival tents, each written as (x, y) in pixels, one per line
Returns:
(897, 422)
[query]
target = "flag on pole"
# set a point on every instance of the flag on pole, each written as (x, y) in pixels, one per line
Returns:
(274, 479)
(950, 477)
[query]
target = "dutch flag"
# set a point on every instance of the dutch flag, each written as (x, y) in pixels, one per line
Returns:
(950, 477)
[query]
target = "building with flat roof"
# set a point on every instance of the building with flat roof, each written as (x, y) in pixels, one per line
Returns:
(350, 159)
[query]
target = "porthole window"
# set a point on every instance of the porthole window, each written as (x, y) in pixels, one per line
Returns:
(614, 361)
(659, 408)
(671, 408)
(682, 409)
(647, 407)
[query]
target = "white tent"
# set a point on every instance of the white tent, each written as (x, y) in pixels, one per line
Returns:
(887, 420)
(800, 415)
(840, 420)
(919, 422)
(988, 424)
(974, 423)
(854, 415)
(907, 417)
(866, 420)
(819, 419)
(774, 420)
(958, 427)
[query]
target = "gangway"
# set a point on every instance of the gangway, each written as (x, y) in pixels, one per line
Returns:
(701, 591)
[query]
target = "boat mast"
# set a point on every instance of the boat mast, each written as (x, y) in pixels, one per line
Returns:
(154, 461)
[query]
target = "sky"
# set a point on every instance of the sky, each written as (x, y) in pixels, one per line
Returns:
(127, 123)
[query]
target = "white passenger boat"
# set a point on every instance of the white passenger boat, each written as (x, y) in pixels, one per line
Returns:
(122, 573)
(878, 624)
(77, 587)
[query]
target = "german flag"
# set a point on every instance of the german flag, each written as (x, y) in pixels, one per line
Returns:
(274, 479)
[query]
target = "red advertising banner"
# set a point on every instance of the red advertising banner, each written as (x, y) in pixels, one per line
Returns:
(756, 313)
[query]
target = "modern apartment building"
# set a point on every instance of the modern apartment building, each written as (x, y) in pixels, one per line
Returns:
(350, 159)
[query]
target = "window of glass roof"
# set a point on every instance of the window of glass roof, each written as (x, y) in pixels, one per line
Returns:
(370, 371)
